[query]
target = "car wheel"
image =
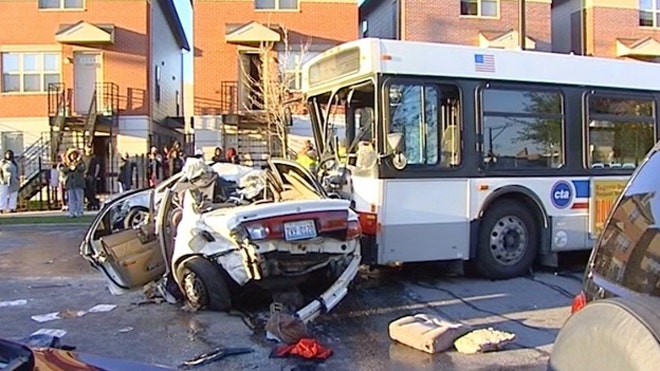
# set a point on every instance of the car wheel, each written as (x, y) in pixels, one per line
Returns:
(204, 285)
(135, 217)
(610, 334)
(508, 238)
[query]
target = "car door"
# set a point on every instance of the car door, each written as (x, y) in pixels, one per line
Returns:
(286, 170)
(128, 257)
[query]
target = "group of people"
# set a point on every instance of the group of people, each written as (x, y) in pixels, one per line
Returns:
(78, 176)
(160, 166)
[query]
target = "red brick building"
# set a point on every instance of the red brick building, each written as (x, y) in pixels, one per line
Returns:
(607, 28)
(486, 23)
(229, 34)
(105, 73)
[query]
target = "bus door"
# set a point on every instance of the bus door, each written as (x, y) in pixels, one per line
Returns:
(425, 213)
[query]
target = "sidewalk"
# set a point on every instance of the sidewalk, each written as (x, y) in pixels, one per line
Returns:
(43, 214)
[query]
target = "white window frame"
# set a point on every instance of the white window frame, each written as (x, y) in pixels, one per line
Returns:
(277, 7)
(62, 6)
(479, 11)
(655, 12)
(41, 71)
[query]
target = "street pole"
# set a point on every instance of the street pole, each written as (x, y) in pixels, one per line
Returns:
(522, 33)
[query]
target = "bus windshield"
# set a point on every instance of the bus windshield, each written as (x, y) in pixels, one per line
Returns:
(343, 119)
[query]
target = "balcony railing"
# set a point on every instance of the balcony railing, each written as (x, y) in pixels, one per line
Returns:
(229, 97)
(61, 99)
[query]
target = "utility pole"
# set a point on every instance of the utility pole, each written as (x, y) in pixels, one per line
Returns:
(522, 33)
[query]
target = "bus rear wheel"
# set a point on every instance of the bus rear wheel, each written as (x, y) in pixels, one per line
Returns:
(508, 239)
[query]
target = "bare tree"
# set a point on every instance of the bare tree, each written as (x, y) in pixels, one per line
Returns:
(270, 93)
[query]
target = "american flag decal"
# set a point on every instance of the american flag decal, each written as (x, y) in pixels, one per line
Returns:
(484, 63)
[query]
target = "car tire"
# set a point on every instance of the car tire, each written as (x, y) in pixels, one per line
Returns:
(135, 215)
(204, 285)
(610, 334)
(508, 239)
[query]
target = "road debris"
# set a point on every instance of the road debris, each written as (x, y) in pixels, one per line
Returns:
(483, 340)
(50, 332)
(284, 327)
(125, 330)
(100, 308)
(13, 303)
(46, 339)
(214, 355)
(306, 348)
(46, 317)
(426, 333)
(71, 313)
(65, 314)
(49, 286)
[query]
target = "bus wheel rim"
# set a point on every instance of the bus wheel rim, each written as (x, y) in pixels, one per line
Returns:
(509, 240)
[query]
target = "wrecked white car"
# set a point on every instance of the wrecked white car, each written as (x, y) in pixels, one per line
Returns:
(214, 231)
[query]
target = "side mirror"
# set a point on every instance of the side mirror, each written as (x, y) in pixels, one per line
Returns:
(396, 142)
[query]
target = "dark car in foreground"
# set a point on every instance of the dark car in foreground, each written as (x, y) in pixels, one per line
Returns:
(615, 320)
(20, 357)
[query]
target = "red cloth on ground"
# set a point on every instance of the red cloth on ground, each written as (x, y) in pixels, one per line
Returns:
(305, 348)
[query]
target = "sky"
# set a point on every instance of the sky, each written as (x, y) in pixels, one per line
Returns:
(184, 8)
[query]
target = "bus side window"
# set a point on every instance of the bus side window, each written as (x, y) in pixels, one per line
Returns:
(620, 131)
(523, 129)
(428, 117)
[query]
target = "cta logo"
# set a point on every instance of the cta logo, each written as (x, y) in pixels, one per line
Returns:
(561, 194)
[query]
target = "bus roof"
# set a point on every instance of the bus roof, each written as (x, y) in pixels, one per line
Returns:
(395, 57)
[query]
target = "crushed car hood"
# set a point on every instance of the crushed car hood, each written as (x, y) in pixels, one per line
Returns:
(222, 220)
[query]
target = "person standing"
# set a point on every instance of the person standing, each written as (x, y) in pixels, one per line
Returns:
(92, 178)
(74, 175)
(218, 156)
(154, 167)
(175, 162)
(61, 187)
(9, 183)
(232, 156)
(125, 173)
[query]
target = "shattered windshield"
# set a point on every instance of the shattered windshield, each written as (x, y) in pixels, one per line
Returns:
(344, 119)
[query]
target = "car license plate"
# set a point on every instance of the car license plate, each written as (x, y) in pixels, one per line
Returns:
(299, 230)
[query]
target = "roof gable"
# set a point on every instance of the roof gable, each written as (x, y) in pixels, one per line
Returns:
(86, 33)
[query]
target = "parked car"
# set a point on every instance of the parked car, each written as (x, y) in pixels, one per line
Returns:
(19, 357)
(216, 230)
(615, 321)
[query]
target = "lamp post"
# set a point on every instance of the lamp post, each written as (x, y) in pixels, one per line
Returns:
(522, 33)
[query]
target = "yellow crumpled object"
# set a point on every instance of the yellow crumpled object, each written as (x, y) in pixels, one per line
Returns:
(483, 340)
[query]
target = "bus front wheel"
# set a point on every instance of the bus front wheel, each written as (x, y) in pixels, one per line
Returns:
(508, 238)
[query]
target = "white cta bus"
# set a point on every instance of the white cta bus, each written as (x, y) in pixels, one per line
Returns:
(494, 156)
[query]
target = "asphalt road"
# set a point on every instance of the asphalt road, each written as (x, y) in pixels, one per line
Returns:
(41, 265)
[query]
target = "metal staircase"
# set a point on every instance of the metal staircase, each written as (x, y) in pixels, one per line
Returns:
(34, 167)
(68, 130)
(90, 120)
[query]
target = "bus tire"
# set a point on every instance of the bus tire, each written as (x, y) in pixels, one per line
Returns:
(508, 239)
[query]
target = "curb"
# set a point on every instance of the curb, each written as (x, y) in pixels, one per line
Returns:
(4, 227)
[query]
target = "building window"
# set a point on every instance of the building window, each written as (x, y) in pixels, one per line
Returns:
(428, 117)
(61, 4)
(634, 214)
(649, 13)
(620, 131)
(522, 129)
(29, 72)
(276, 4)
(480, 8)
(291, 67)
